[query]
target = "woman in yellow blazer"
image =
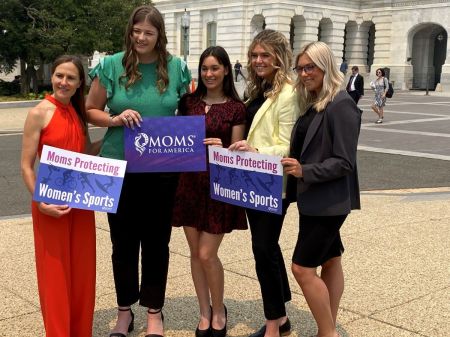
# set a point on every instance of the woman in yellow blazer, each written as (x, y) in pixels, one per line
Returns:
(272, 110)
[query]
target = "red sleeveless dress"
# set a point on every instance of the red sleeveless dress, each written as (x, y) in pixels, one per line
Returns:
(65, 246)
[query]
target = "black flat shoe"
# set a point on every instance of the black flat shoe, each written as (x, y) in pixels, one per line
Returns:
(222, 332)
(162, 319)
(284, 329)
(130, 326)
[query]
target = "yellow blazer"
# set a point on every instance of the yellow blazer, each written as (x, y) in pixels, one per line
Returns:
(272, 125)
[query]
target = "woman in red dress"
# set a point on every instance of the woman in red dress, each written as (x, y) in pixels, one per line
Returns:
(205, 221)
(64, 237)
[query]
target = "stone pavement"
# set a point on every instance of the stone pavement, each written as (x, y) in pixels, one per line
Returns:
(396, 268)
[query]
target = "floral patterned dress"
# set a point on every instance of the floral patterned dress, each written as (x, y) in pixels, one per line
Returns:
(380, 86)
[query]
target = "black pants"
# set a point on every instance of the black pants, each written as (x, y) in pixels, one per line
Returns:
(238, 72)
(266, 228)
(355, 95)
(142, 224)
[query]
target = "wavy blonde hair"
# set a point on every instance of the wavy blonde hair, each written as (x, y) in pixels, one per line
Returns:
(324, 59)
(277, 45)
(130, 61)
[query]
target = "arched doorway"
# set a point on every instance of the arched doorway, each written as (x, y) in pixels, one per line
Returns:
(257, 24)
(428, 50)
(325, 31)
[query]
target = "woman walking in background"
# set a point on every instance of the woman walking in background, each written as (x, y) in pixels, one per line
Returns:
(381, 86)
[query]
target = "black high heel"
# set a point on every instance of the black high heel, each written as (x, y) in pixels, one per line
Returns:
(130, 326)
(206, 332)
(162, 319)
(222, 332)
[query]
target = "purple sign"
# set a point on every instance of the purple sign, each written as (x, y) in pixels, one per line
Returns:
(246, 179)
(166, 144)
(79, 180)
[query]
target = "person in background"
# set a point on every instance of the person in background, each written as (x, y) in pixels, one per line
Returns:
(272, 110)
(238, 70)
(204, 220)
(142, 81)
(344, 67)
(64, 238)
(380, 86)
(323, 161)
(355, 85)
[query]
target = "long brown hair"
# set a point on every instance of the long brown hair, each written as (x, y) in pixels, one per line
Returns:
(77, 99)
(130, 61)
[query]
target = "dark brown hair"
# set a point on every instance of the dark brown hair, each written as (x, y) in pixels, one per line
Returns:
(222, 57)
(77, 99)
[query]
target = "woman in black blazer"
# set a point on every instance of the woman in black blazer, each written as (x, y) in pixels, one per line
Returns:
(323, 161)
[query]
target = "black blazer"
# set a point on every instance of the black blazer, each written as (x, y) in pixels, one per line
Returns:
(359, 84)
(330, 177)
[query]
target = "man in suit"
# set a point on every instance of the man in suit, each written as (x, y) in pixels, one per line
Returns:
(355, 86)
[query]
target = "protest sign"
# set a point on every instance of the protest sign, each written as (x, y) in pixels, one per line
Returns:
(79, 180)
(246, 179)
(166, 144)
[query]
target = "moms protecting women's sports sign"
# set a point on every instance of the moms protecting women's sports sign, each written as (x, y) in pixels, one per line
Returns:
(246, 179)
(79, 180)
(166, 144)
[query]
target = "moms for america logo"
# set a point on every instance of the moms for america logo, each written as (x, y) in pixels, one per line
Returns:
(166, 144)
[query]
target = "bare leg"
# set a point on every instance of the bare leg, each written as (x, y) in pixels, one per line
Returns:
(333, 276)
(273, 326)
(199, 277)
(375, 109)
(213, 270)
(123, 320)
(318, 298)
(155, 324)
(381, 112)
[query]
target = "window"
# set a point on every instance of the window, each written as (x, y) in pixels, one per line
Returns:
(211, 32)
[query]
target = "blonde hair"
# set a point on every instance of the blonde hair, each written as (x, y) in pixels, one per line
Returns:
(130, 61)
(324, 59)
(276, 44)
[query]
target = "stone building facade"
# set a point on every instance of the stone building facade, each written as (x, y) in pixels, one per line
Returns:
(408, 37)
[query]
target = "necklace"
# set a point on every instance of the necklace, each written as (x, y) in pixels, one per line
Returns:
(215, 100)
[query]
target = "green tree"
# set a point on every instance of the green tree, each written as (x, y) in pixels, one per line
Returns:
(37, 31)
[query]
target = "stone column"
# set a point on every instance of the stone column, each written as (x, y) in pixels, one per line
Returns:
(195, 39)
(172, 27)
(382, 48)
(336, 40)
(356, 45)
(279, 19)
(311, 29)
(445, 74)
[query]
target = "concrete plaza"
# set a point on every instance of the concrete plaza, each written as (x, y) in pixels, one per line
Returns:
(396, 268)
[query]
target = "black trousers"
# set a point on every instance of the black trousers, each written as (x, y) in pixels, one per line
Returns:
(142, 224)
(270, 268)
(355, 95)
